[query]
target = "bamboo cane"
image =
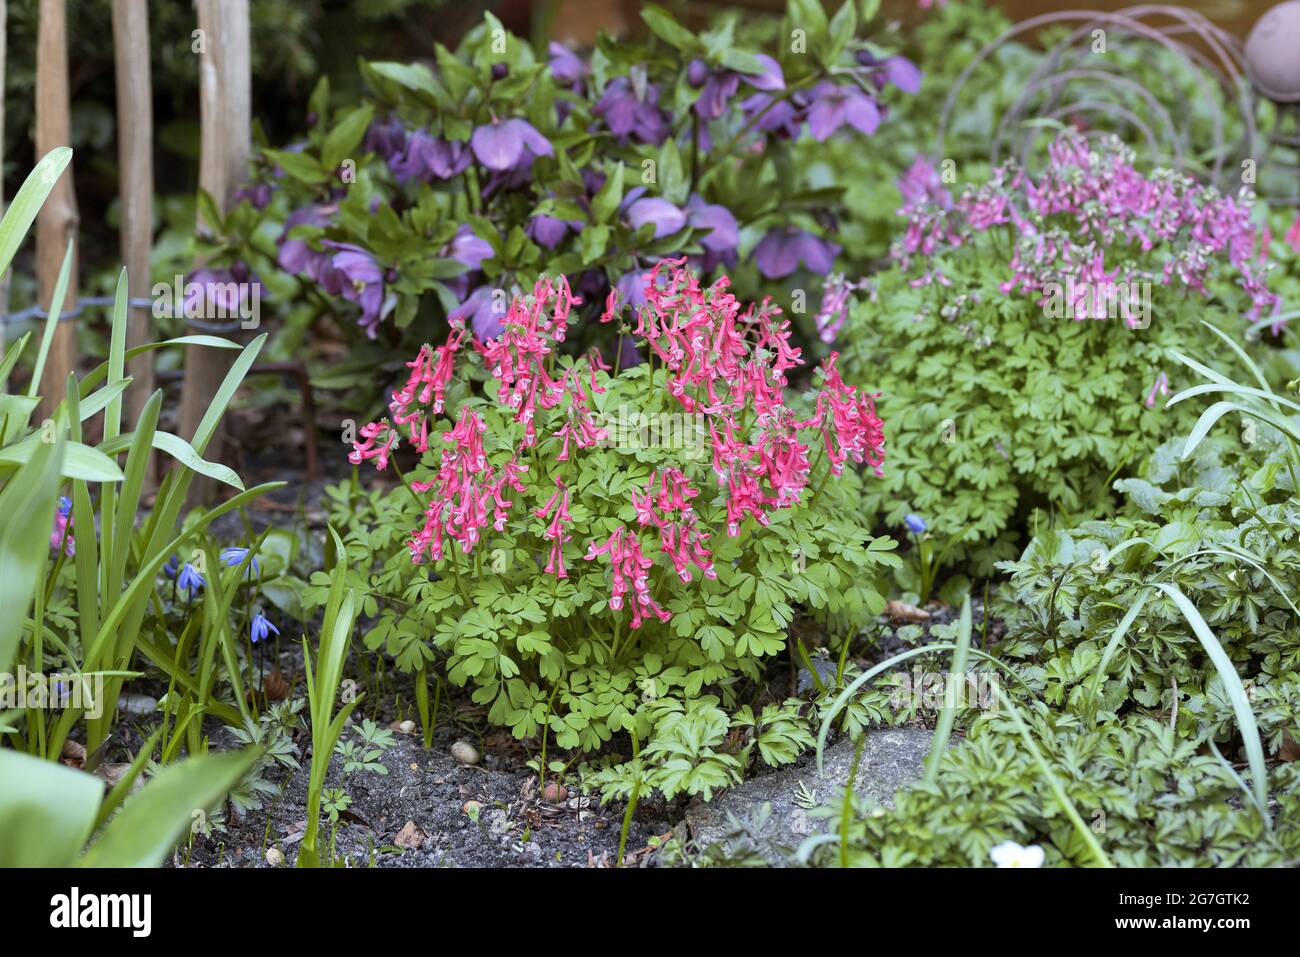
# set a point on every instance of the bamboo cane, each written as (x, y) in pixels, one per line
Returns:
(135, 173)
(4, 280)
(225, 118)
(56, 223)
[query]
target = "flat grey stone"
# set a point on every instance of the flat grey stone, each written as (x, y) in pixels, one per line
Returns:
(770, 812)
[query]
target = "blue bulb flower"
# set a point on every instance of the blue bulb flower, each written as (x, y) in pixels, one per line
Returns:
(171, 568)
(189, 579)
(915, 522)
(232, 557)
(261, 627)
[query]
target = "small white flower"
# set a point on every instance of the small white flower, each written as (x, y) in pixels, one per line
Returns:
(1011, 854)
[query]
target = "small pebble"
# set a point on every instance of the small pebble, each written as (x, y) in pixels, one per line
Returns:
(464, 752)
(274, 856)
(554, 792)
(137, 704)
(406, 727)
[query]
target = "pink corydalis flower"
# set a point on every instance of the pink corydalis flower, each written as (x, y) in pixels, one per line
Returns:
(554, 532)
(376, 443)
(666, 505)
(462, 489)
(61, 532)
(1160, 386)
(1090, 198)
(723, 361)
(628, 564)
(850, 428)
(837, 296)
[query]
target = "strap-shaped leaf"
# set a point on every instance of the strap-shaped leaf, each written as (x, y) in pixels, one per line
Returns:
(153, 820)
(27, 504)
(46, 811)
(28, 201)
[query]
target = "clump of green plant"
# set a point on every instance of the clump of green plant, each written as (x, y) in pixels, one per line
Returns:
(1147, 795)
(598, 550)
(362, 752)
(55, 816)
(272, 735)
(100, 611)
(1021, 340)
(325, 693)
(1210, 522)
(1142, 655)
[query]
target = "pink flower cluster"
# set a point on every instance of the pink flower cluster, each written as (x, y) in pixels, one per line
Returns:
(723, 362)
(464, 487)
(667, 507)
(425, 387)
(1091, 202)
(628, 563)
(731, 364)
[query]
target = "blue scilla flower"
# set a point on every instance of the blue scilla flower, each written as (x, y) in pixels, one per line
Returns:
(232, 557)
(189, 579)
(171, 568)
(261, 628)
(915, 522)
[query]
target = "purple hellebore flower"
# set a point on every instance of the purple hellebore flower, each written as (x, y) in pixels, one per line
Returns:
(549, 231)
(626, 114)
(467, 248)
(566, 66)
(631, 288)
(834, 105)
(719, 86)
(480, 309)
(358, 278)
(258, 195)
(723, 239)
(428, 157)
(896, 70)
(386, 138)
(509, 144)
(295, 255)
(628, 354)
(903, 73)
(784, 118)
(216, 293)
(780, 252)
(666, 217)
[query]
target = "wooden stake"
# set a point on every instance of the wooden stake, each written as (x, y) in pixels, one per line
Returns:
(135, 174)
(57, 220)
(4, 280)
(225, 117)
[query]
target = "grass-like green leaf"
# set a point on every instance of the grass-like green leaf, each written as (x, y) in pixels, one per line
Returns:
(153, 819)
(1246, 723)
(47, 811)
